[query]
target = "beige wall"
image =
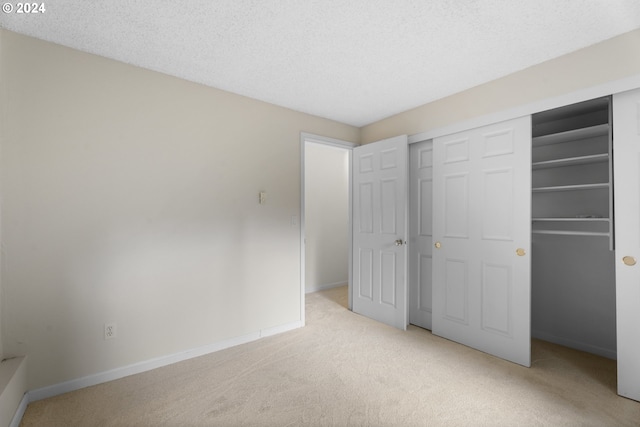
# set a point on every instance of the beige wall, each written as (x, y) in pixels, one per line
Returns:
(132, 197)
(610, 60)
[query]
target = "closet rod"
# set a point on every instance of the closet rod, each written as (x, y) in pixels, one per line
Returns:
(597, 186)
(571, 233)
(572, 219)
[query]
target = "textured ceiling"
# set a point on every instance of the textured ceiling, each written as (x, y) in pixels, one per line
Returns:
(354, 61)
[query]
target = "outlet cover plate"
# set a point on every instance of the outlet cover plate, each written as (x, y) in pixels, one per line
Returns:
(110, 331)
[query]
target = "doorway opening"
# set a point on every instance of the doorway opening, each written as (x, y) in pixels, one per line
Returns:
(325, 214)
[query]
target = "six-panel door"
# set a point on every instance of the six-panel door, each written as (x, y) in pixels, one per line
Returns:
(482, 235)
(379, 231)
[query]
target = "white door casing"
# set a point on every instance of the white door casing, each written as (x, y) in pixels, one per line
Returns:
(379, 231)
(482, 225)
(626, 170)
(420, 232)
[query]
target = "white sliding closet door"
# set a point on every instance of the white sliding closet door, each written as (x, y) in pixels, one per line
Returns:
(626, 167)
(420, 233)
(379, 231)
(482, 235)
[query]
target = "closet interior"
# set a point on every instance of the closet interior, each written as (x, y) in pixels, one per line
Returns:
(572, 261)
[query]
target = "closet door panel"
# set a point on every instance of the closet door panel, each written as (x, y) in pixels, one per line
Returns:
(481, 227)
(626, 122)
(420, 232)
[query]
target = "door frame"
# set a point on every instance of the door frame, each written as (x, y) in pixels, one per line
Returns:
(338, 143)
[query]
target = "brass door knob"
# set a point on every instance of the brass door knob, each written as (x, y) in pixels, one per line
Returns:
(437, 245)
(629, 260)
(520, 252)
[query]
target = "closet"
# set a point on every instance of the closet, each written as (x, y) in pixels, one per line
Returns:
(572, 258)
(527, 227)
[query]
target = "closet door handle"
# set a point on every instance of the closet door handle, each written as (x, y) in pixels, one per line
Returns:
(520, 252)
(629, 260)
(437, 245)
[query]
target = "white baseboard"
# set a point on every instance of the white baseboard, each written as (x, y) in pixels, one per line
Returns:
(13, 387)
(17, 417)
(267, 332)
(136, 368)
(316, 288)
(600, 351)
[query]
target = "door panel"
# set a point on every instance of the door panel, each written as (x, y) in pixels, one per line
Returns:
(626, 161)
(365, 207)
(497, 205)
(420, 232)
(482, 215)
(456, 205)
(425, 217)
(388, 286)
(496, 298)
(365, 273)
(456, 285)
(388, 205)
(379, 215)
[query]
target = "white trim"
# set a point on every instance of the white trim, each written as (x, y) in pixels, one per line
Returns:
(338, 143)
(22, 407)
(13, 386)
(275, 330)
(350, 236)
(136, 368)
(326, 286)
(586, 94)
(309, 137)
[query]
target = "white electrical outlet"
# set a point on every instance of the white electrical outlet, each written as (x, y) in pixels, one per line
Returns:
(110, 331)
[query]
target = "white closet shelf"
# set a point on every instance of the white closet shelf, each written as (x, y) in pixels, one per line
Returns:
(571, 187)
(572, 233)
(572, 219)
(571, 161)
(571, 135)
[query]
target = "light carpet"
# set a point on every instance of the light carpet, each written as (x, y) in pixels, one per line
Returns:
(343, 369)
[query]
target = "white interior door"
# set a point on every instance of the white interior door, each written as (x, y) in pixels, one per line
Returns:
(379, 231)
(420, 232)
(626, 161)
(482, 234)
